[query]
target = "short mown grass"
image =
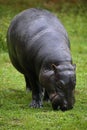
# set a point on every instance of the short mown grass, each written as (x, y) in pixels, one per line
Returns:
(15, 113)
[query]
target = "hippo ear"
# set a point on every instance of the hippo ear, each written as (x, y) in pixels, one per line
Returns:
(74, 66)
(54, 67)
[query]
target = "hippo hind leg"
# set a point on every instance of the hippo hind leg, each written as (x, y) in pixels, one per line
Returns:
(36, 93)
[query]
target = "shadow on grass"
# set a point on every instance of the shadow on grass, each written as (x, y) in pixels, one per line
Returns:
(18, 99)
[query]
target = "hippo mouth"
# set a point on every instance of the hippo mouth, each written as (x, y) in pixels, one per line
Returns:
(58, 103)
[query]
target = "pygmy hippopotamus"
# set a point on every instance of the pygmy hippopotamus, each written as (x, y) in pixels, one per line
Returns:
(39, 48)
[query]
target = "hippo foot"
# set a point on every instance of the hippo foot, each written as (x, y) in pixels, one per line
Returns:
(36, 104)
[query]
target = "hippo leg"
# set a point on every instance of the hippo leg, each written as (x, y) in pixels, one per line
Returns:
(28, 85)
(46, 97)
(36, 93)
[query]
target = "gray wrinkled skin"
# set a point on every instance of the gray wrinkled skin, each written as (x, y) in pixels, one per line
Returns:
(39, 48)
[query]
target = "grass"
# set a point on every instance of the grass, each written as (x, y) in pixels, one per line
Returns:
(14, 111)
(16, 115)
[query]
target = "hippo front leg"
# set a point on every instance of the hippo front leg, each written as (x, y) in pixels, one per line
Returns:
(36, 93)
(46, 96)
(36, 98)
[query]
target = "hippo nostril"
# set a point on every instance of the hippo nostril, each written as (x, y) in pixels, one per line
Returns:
(64, 107)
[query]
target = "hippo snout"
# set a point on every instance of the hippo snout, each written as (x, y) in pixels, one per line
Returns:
(59, 103)
(66, 106)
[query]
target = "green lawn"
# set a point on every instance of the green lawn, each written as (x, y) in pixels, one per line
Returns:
(14, 111)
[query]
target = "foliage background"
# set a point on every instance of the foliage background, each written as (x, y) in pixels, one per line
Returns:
(9, 8)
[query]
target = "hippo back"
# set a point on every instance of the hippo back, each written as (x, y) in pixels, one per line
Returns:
(37, 36)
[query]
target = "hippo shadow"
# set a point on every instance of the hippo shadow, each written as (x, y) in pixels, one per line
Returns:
(18, 99)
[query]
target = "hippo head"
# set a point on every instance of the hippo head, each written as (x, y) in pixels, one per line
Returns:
(65, 81)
